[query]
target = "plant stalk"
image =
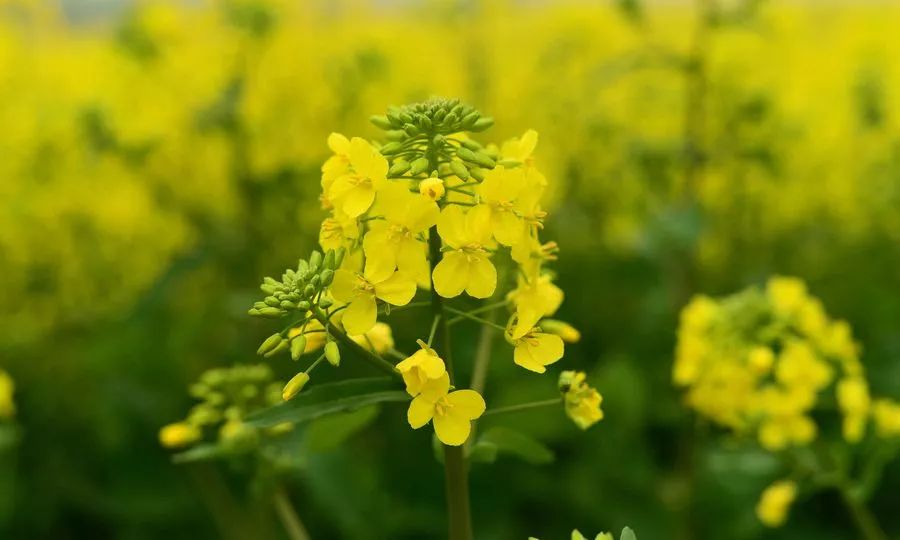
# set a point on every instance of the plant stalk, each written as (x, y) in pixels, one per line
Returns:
(288, 516)
(865, 521)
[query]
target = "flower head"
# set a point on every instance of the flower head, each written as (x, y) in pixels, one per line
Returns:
(420, 368)
(360, 291)
(451, 412)
(466, 266)
(354, 191)
(582, 402)
(534, 350)
(178, 435)
(775, 502)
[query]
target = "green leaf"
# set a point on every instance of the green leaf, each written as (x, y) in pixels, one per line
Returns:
(627, 534)
(483, 452)
(329, 432)
(508, 441)
(328, 399)
(201, 452)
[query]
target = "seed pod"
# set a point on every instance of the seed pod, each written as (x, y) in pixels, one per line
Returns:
(327, 276)
(271, 312)
(272, 301)
(283, 345)
(333, 353)
(298, 346)
(459, 169)
(293, 387)
(399, 167)
(418, 166)
(482, 124)
(380, 121)
(270, 343)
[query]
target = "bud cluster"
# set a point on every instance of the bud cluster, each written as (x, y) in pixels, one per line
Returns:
(298, 289)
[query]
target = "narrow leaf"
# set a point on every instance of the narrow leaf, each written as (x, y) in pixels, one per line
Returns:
(512, 442)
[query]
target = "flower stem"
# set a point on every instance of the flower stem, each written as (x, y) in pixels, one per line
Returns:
(288, 516)
(468, 315)
(455, 472)
(362, 352)
(865, 521)
(523, 406)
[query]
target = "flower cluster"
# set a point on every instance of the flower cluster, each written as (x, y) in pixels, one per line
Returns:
(431, 209)
(7, 389)
(582, 402)
(227, 396)
(759, 361)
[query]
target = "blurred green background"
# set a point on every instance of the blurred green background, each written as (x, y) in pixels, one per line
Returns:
(158, 158)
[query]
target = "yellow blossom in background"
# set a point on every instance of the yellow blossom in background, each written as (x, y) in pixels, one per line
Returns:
(582, 402)
(450, 412)
(380, 339)
(775, 502)
(178, 435)
(7, 389)
(886, 413)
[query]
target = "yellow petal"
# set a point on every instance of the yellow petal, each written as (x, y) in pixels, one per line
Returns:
(538, 350)
(435, 389)
(360, 315)
(343, 288)
(338, 144)
(357, 200)
(507, 228)
(452, 430)
(381, 254)
(482, 277)
(366, 160)
(398, 289)
(451, 275)
(451, 225)
(420, 412)
(466, 403)
(420, 214)
(411, 257)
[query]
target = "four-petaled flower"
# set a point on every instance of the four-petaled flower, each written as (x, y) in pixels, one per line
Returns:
(450, 412)
(359, 292)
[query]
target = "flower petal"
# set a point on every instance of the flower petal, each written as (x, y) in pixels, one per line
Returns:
(451, 275)
(467, 403)
(343, 288)
(360, 315)
(398, 289)
(420, 412)
(482, 277)
(452, 430)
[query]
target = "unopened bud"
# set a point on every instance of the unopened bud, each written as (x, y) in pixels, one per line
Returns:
(566, 331)
(298, 346)
(270, 343)
(333, 353)
(294, 386)
(459, 170)
(282, 346)
(271, 312)
(418, 166)
(433, 188)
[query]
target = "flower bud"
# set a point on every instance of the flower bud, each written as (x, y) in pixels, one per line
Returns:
(298, 346)
(268, 289)
(327, 276)
(272, 301)
(380, 121)
(418, 166)
(469, 120)
(398, 168)
(459, 169)
(178, 435)
(294, 386)
(333, 353)
(270, 343)
(433, 188)
(287, 304)
(282, 346)
(566, 331)
(482, 124)
(315, 259)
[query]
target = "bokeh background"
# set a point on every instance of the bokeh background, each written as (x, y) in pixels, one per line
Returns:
(158, 158)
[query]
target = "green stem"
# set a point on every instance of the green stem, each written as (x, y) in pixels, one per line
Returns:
(523, 406)
(288, 516)
(362, 352)
(488, 308)
(455, 472)
(865, 521)
(477, 319)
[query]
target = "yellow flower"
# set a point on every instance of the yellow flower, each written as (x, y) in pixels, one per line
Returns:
(379, 339)
(354, 191)
(499, 193)
(337, 231)
(421, 367)
(799, 366)
(886, 414)
(582, 402)
(393, 243)
(466, 266)
(521, 148)
(535, 297)
(775, 502)
(338, 164)
(778, 432)
(534, 350)
(787, 294)
(761, 359)
(853, 399)
(432, 188)
(360, 292)
(452, 412)
(7, 389)
(178, 435)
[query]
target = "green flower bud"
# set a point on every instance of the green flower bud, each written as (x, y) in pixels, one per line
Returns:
(459, 169)
(425, 123)
(333, 353)
(309, 291)
(272, 301)
(469, 120)
(253, 312)
(477, 174)
(380, 121)
(268, 289)
(270, 343)
(471, 145)
(325, 302)
(287, 304)
(282, 346)
(418, 166)
(451, 120)
(316, 279)
(304, 305)
(339, 256)
(398, 168)
(396, 136)
(271, 312)
(270, 281)
(298, 345)
(482, 124)
(315, 259)
(411, 130)
(328, 262)
(327, 276)
(294, 386)
(466, 154)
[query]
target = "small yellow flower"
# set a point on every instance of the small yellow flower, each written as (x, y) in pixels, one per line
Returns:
(379, 339)
(761, 359)
(534, 350)
(421, 367)
(582, 402)
(775, 502)
(886, 414)
(7, 389)
(535, 297)
(432, 188)
(787, 294)
(179, 435)
(499, 193)
(854, 401)
(466, 266)
(393, 243)
(451, 412)
(360, 291)
(338, 231)
(354, 191)
(800, 366)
